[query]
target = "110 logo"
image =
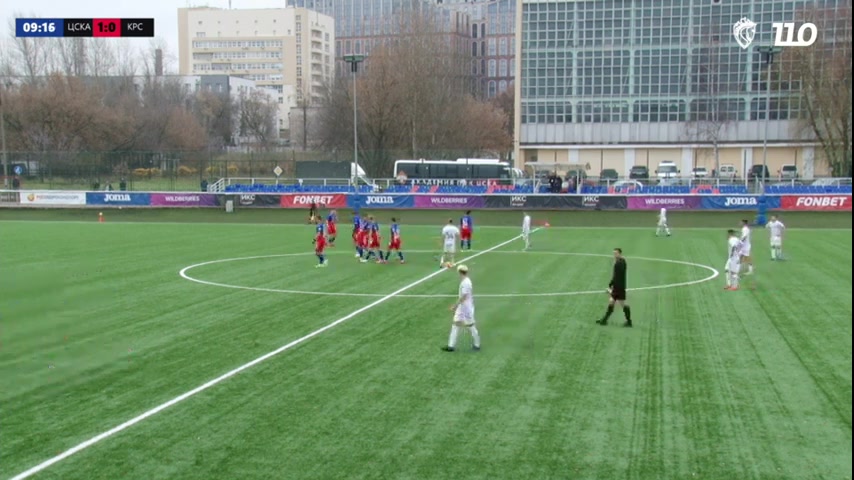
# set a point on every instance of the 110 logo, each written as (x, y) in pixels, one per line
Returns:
(788, 29)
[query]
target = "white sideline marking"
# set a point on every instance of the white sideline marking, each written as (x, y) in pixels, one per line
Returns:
(183, 273)
(180, 398)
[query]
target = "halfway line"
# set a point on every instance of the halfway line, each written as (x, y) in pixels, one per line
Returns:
(201, 388)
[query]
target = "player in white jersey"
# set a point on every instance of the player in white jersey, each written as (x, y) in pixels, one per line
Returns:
(450, 236)
(662, 224)
(776, 229)
(746, 259)
(733, 263)
(526, 230)
(463, 310)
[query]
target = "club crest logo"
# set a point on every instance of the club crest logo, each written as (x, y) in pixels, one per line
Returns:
(744, 31)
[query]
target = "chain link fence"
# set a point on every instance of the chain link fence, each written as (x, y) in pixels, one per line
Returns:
(148, 171)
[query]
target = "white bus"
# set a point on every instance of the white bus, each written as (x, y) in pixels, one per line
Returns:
(462, 171)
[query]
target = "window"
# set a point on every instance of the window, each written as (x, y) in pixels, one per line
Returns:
(473, 49)
(200, 34)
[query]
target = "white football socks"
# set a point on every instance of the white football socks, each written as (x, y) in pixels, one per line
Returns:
(455, 333)
(475, 336)
(452, 340)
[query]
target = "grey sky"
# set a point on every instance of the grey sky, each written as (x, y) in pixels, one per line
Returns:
(164, 12)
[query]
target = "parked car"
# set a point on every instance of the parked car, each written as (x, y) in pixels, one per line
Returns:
(667, 170)
(699, 172)
(609, 175)
(789, 172)
(727, 170)
(639, 172)
(759, 172)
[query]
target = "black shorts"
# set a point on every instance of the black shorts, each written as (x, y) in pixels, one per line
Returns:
(618, 294)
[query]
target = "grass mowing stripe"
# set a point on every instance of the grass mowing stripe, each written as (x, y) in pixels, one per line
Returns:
(92, 441)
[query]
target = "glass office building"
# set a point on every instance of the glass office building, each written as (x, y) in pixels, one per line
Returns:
(615, 83)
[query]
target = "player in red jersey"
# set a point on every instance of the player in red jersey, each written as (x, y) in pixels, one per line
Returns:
(320, 245)
(362, 239)
(466, 229)
(374, 248)
(395, 242)
(331, 227)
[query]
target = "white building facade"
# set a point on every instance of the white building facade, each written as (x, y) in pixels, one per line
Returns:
(286, 50)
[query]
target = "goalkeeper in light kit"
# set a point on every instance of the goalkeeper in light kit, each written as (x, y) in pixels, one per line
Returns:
(776, 228)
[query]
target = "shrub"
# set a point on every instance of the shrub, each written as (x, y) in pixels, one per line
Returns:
(186, 171)
(140, 172)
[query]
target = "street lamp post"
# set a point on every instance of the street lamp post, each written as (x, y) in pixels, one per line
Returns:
(769, 53)
(354, 61)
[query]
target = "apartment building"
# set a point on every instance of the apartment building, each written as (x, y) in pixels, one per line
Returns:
(286, 50)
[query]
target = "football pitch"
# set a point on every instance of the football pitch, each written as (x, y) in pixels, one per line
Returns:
(163, 350)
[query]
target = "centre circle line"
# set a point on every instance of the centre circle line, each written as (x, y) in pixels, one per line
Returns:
(714, 274)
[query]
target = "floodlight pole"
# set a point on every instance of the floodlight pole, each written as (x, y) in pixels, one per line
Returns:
(769, 53)
(354, 61)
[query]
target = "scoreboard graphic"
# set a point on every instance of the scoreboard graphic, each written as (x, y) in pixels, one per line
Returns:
(84, 27)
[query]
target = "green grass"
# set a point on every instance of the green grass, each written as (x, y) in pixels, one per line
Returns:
(97, 327)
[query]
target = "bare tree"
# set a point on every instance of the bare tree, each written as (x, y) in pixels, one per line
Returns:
(300, 127)
(413, 101)
(216, 113)
(72, 56)
(31, 57)
(823, 71)
(257, 117)
(148, 65)
(506, 102)
(715, 105)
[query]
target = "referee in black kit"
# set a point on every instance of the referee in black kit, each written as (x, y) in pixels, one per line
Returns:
(617, 290)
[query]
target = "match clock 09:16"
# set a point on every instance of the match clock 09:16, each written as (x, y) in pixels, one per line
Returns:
(39, 27)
